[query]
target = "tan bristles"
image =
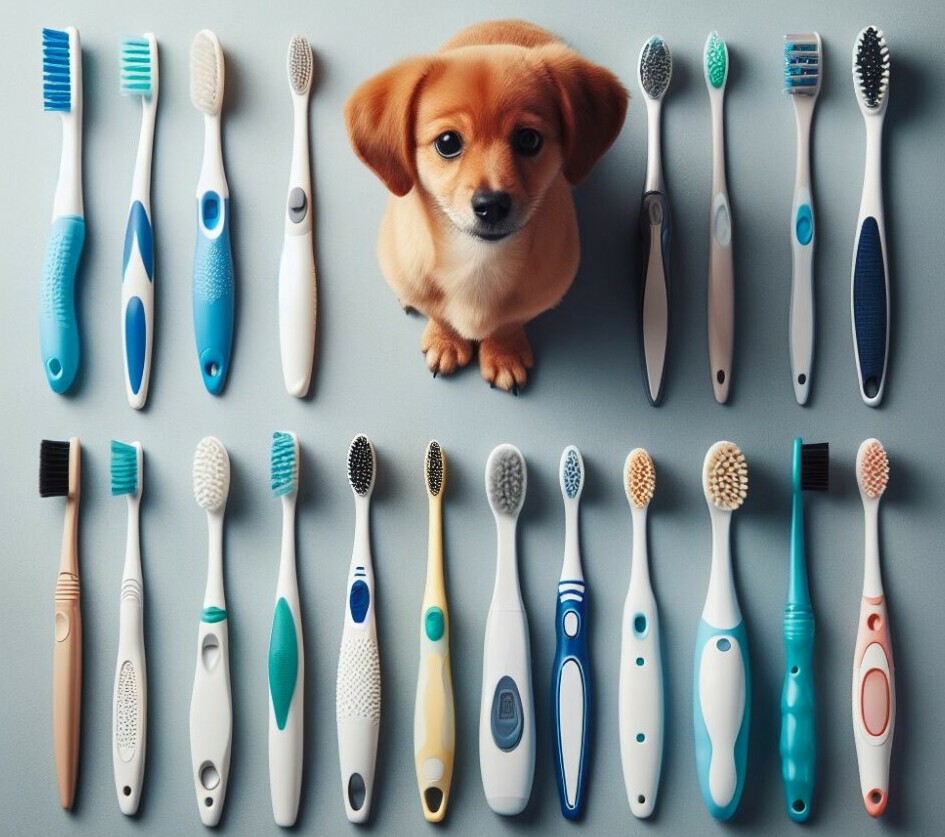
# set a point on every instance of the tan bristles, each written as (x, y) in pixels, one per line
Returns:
(639, 478)
(873, 471)
(726, 477)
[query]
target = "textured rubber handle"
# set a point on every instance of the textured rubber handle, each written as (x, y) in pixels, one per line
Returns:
(870, 310)
(67, 685)
(129, 710)
(798, 731)
(655, 230)
(286, 712)
(137, 304)
(570, 698)
(58, 327)
(297, 312)
(213, 292)
(722, 709)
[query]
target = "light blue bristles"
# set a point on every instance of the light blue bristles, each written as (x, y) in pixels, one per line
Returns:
(135, 67)
(572, 472)
(284, 470)
(802, 63)
(57, 86)
(124, 468)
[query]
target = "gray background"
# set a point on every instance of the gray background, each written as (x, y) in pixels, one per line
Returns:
(586, 389)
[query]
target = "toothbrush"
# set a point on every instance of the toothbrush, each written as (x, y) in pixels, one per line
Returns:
(434, 725)
(60, 476)
(874, 687)
(721, 265)
(570, 674)
(803, 70)
(213, 281)
(297, 266)
(507, 713)
(139, 77)
(870, 284)
(58, 327)
(130, 703)
(722, 681)
(655, 69)
(798, 701)
(286, 650)
(211, 708)
(641, 665)
(358, 692)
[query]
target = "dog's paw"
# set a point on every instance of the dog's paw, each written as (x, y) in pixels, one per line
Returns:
(505, 360)
(445, 351)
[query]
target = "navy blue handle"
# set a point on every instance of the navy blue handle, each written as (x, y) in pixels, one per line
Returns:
(654, 213)
(870, 308)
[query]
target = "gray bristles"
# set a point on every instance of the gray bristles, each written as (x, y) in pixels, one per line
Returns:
(656, 67)
(433, 470)
(572, 472)
(300, 65)
(803, 58)
(505, 480)
(871, 67)
(361, 465)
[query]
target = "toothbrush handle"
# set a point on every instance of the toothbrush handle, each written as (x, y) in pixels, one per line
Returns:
(870, 302)
(297, 311)
(286, 707)
(211, 716)
(798, 729)
(721, 307)
(570, 698)
(129, 707)
(137, 304)
(874, 703)
(655, 229)
(722, 704)
(67, 684)
(58, 327)
(802, 292)
(641, 702)
(213, 290)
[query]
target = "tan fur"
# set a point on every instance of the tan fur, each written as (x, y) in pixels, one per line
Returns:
(486, 83)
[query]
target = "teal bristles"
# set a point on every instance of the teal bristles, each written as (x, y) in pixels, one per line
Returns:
(802, 63)
(716, 60)
(57, 86)
(284, 464)
(136, 67)
(124, 469)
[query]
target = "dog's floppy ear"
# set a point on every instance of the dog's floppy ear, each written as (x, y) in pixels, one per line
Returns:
(593, 105)
(380, 119)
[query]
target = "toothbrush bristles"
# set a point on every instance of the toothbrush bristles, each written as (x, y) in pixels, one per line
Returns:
(802, 64)
(815, 467)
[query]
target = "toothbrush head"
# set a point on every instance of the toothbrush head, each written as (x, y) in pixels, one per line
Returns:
(211, 475)
(655, 68)
(571, 473)
(815, 467)
(716, 61)
(434, 469)
(139, 66)
(59, 84)
(284, 464)
(803, 57)
(872, 469)
(871, 70)
(639, 477)
(127, 468)
(505, 481)
(59, 468)
(362, 466)
(206, 73)
(725, 476)
(300, 65)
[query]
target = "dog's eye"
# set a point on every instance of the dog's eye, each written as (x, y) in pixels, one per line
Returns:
(528, 142)
(448, 144)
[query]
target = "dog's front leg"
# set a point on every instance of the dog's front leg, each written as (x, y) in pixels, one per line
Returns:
(445, 350)
(505, 357)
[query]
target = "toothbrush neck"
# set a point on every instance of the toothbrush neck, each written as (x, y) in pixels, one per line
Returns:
(872, 576)
(507, 595)
(211, 172)
(435, 584)
(133, 543)
(571, 569)
(362, 531)
(68, 200)
(654, 165)
(804, 109)
(141, 185)
(721, 605)
(718, 143)
(287, 573)
(873, 181)
(300, 174)
(69, 554)
(798, 590)
(213, 597)
(639, 562)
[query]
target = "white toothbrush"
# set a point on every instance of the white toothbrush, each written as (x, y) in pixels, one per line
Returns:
(211, 710)
(358, 692)
(139, 77)
(874, 685)
(286, 649)
(721, 311)
(130, 703)
(507, 711)
(297, 296)
(641, 720)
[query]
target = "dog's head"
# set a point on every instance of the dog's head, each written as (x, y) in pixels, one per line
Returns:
(484, 130)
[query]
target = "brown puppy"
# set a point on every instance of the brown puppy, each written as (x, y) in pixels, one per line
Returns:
(479, 145)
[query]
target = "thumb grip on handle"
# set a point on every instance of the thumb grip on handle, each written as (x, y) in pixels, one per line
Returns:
(59, 329)
(138, 303)
(798, 728)
(286, 709)
(655, 229)
(67, 685)
(870, 310)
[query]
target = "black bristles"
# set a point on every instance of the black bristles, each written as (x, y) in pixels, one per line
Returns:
(815, 467)
(871, 66)
(53, 469)
(361, 465)
(434, 469)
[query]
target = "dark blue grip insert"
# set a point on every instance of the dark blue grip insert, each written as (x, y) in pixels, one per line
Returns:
(870, 307)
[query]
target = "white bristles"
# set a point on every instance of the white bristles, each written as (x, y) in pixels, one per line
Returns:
(206, 73)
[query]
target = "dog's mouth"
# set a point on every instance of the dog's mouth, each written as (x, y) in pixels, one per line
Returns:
(482, 235)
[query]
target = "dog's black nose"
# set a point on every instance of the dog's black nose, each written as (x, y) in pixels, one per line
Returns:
(491, 207)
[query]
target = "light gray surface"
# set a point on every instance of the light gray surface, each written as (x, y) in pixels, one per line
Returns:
(586, 389)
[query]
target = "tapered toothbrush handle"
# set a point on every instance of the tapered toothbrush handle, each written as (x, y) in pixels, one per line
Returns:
(130, 704)
(721, 302)
(58, 325)
(798, 729)
(137, 304)
(67, 684)
(870, 302)
(570, 697)
(297, 311)
(874, 703)
(802, 293)
(655, 229)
